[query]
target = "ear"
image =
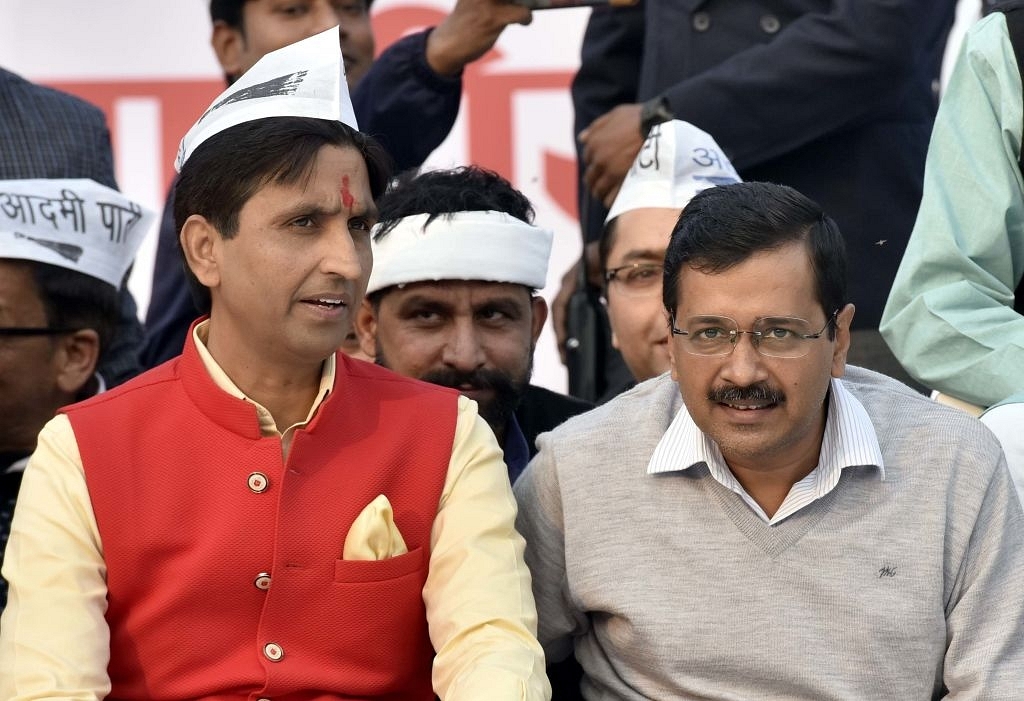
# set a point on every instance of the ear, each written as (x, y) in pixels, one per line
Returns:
(366, 329)
(842, 343)
(540, 317)
(75, 360)
(228, 43)
(672, 355)
(200, 242)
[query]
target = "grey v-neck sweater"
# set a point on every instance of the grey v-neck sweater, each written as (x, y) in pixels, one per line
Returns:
(672, 588)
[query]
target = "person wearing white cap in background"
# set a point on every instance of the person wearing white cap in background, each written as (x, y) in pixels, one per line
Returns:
(61, 265)
(677, 161)
(453, 299)
(264, 517)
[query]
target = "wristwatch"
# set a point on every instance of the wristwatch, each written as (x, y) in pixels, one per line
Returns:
(654, 111)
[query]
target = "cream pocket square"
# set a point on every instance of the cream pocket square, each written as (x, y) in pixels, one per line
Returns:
(374, 535)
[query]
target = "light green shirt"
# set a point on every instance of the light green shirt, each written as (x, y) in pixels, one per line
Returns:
(950, 318)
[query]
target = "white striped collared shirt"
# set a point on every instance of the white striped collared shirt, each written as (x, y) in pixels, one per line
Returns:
(849, 440)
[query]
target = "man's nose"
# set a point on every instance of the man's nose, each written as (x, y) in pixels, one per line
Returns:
(340, 255)
(745, 365)
(463, 350)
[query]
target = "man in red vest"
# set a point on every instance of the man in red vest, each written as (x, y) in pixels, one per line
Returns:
(263, 517)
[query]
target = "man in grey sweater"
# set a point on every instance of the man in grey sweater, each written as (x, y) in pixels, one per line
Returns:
(755, 527)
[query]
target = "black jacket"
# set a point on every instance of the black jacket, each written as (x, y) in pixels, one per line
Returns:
(835, 98)
(542, 410)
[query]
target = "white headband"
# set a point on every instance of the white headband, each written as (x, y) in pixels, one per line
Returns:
(489, 246)
(677, 161)
(75, 224)
(304, 79)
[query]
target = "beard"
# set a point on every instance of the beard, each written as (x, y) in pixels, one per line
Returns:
(507, 390)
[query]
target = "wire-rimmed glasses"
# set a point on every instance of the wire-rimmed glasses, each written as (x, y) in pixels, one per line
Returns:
(636, 279)
(773, 336)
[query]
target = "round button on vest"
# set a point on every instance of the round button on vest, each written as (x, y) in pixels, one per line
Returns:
(701, 21)
(262, 581)
(273, 652)
(770, 24)
(258, 482)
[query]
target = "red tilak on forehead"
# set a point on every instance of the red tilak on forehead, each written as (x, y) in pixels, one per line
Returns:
(346, 197)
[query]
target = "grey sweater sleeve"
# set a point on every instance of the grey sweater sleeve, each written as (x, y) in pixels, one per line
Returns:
(540, 523)
(984, 621)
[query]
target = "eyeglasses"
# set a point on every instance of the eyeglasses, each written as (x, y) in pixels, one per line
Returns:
(773, 336)
(636, 279)
(33, 331)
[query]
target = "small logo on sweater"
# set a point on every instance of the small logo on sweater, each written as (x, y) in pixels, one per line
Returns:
(887, 571)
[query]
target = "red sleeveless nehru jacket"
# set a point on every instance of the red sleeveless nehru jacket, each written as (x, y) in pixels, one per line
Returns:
(225, 578)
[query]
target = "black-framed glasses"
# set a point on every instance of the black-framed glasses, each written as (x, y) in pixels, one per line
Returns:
(636, 279)
(773, 336)
(33, 331)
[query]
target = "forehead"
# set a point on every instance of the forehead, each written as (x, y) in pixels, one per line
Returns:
(18, 293)
(334, 171)
(641, 232)
(778, 282)
(457, 294)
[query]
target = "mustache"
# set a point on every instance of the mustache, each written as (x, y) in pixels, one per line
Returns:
(476, 379)
(759, 392)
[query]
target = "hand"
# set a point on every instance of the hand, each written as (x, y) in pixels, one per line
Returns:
(560, 304)
(610, 144)
(470, 31)
(570, 283)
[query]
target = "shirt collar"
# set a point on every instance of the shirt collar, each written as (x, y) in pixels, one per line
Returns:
(849, 440)
(223, 382)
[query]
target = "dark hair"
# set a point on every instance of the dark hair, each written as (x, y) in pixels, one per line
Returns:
(227, 11)
(723, 226)
(230, 11)
(440, 192)
(605, 243)
(74, 300)
(228, 168)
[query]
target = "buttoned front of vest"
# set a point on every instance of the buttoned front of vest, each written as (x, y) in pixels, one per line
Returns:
(229, 582)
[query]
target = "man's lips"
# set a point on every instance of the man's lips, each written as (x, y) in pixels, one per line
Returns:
(326, 302)
(473, 389)
(748, 407)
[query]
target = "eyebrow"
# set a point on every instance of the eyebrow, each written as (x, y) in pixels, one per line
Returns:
(419, 300)
(503, 302)
(642, 254)
(306, 208)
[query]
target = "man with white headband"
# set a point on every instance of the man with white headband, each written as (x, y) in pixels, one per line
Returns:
(263, 517)
(677, 161)
(65, 246)
(452, 299)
